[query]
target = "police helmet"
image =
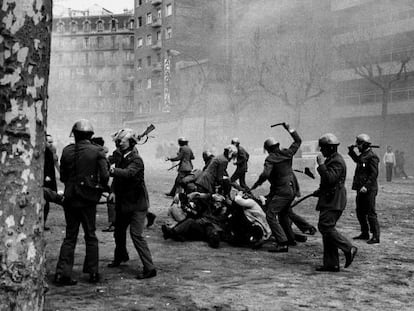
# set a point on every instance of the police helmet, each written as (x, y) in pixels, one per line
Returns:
(363, 139)
(328, 139)
(125, 133)
(269, 142)
(82, 125)
(230, 151)
(235, 141)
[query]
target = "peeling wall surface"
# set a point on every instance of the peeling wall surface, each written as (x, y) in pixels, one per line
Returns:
(24, 71)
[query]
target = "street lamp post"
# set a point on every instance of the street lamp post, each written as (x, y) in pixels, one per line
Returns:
(177, 53)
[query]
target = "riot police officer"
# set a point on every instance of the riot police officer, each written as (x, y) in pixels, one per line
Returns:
(366, 186)
(241, 164)
(84, 171)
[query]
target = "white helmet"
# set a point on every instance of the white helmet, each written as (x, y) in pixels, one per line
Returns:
(124, 133)
(230, 151)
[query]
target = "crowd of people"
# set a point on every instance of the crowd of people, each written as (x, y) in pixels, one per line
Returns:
(208, 204)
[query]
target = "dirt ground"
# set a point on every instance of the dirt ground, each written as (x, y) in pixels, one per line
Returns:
(192, 276)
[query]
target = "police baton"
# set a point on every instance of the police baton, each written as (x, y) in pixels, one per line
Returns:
(302, 199)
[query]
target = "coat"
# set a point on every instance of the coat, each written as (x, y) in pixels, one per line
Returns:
(213, 174)
(184, 155)
(84, 171)
(242, 158)
(332, 192)
(278, 169)
(129, 185)
(366, 171)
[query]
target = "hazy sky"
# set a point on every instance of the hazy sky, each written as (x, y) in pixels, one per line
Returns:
(116, 6)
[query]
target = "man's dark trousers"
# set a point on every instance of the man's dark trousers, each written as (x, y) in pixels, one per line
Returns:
(136, 221)
(366, 213)
(332, 239)
(79, 214)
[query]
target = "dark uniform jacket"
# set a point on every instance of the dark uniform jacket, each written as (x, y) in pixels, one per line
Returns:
(49, 169)
(278, 169)
(184, 155)
(332, 192)
(242, 158)
(129, 184)
(366, 171)
(84, 171)
(214, 173)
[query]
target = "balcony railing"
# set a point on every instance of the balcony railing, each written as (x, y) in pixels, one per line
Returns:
(156, 2)
(156, 22)
(157, 45)
(157, 67)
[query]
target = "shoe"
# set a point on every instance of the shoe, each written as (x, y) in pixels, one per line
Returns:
(94, 277)
(150, 219)
(169, 194)
(292, 243)
(147, 274)
(116, 263)
(311, 231)
(111, 228)
(279, 249)
(327, 269)
(64, 280)
(349, 256)
(300, 238)
(166, 232)
(373, 241)
(362, 236)
(214, 240)
(46, 228)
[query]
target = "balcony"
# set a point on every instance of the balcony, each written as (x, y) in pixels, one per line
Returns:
(157, 67)
(156, 22)
(157, 45)
(156, 2)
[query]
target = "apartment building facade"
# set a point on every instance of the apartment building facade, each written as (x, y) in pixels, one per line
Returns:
(375, 88)
(91, 72)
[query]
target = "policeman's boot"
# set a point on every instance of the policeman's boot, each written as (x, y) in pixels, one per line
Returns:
(375, 234)
(362, 236)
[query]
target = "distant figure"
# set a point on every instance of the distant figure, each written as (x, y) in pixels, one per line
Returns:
(389, 162)
(49, 179)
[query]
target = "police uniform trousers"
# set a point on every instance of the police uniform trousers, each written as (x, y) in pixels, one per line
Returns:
(239, 174)
(332, 239)
(177, 182)
(366, 213)
(76, 214)
(136, 221)
(277, 216)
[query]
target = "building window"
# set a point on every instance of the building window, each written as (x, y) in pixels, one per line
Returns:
(149, 18)
(112, 89)
(87, 26)
(148, 83)
(139, 84)
(113, 25)
(86, 58)
(149, 40)
(61, 27)
(99, 89)
(139, 42)
(158, 57)
(159, 13)
(73, 27)
(131, 42)
(148, 61)
(100, 26)
(131, 86)
(86, 42)
(158, 36)
(131, 24)
(168, 33)
(139, 107)
(99, 42)
(113, 42)
(139, 22)
(100, 57)
(139, 64)
(139, 3)
(168, 9)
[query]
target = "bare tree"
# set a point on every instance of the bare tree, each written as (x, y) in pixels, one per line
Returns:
(24, 63)
(374, 59)
(293, 67)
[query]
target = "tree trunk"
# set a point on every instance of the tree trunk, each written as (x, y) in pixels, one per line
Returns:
(384, 115)
(24, 60)
(298, 115)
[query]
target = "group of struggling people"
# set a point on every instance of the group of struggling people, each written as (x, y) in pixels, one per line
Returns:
(85, 171)
(208, 188)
